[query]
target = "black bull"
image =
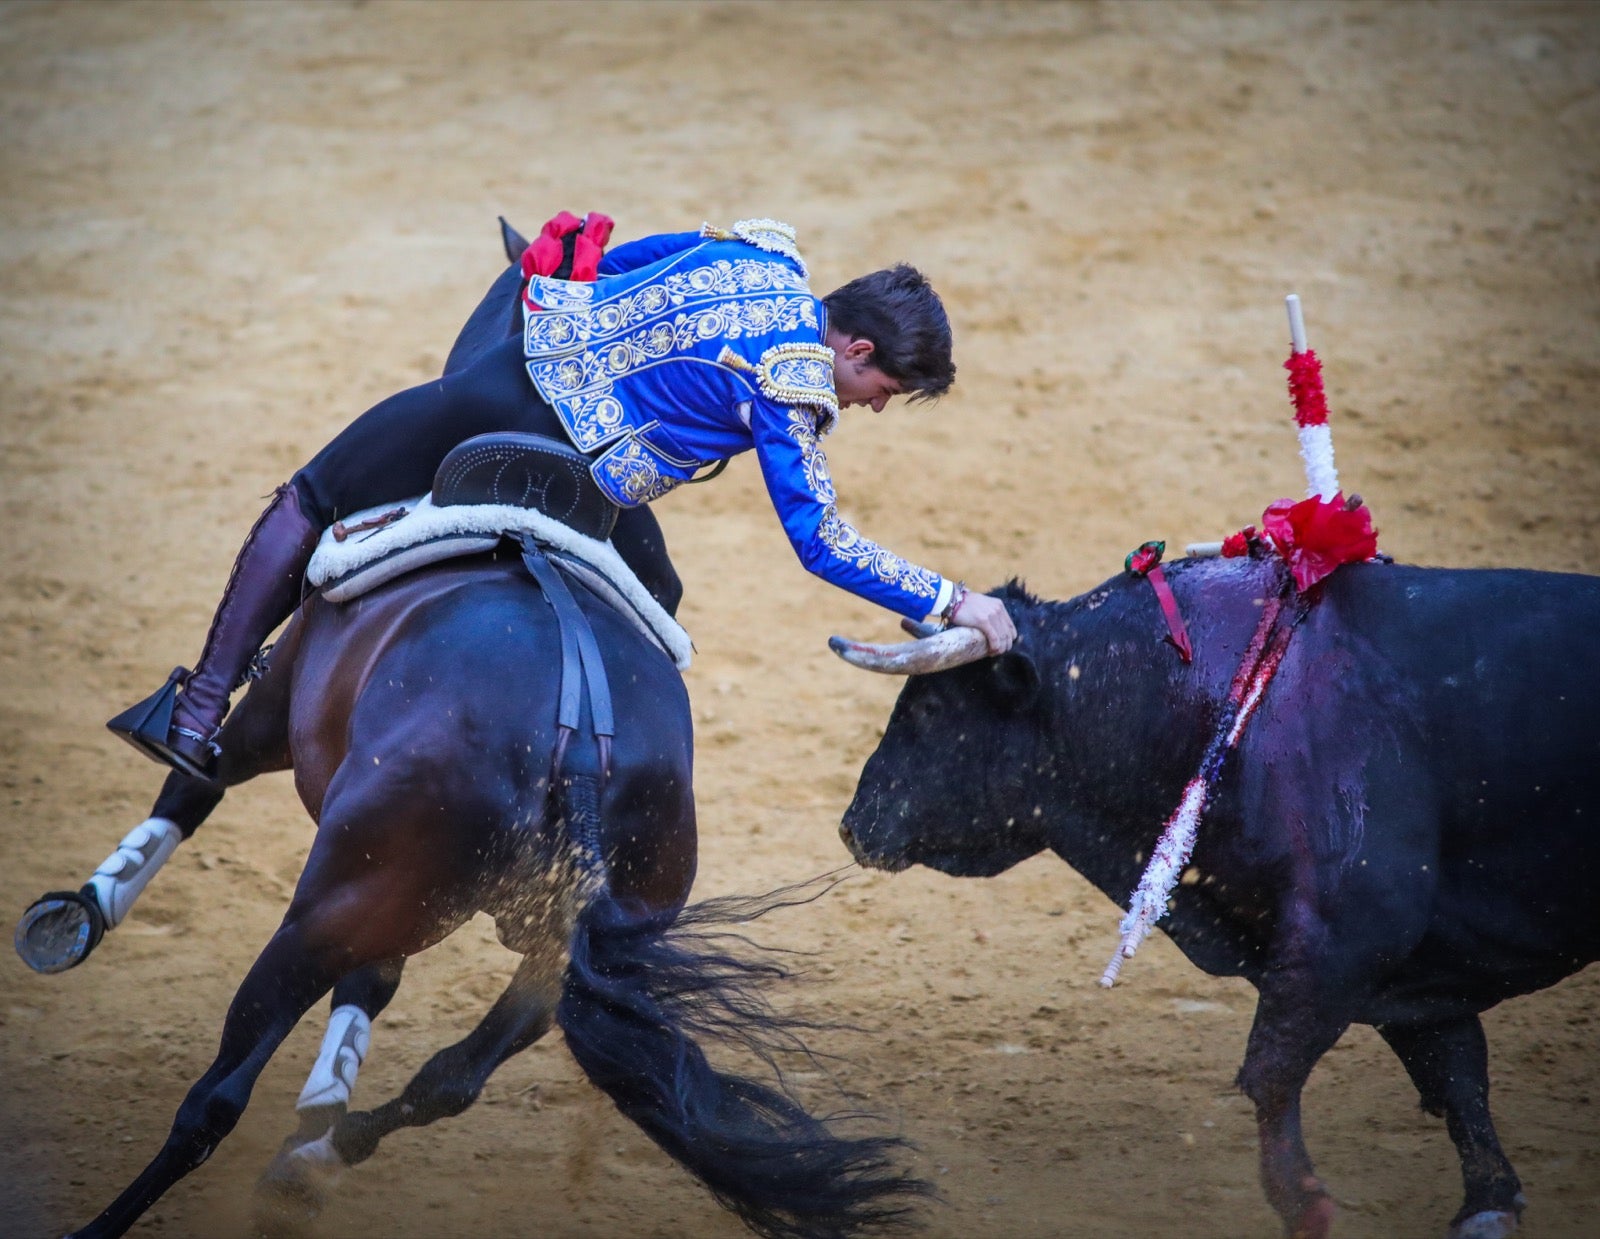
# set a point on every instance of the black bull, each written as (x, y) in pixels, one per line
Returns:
(1407, 833)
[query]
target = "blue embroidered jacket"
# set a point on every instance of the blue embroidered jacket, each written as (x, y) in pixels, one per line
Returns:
(691, 348)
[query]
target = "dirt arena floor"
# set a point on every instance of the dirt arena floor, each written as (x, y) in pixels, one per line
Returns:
(226, 229)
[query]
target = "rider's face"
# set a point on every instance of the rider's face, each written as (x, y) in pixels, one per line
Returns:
(856, 380)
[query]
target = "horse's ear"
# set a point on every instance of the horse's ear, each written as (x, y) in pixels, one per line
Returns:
(1014, 678)
(513, 240)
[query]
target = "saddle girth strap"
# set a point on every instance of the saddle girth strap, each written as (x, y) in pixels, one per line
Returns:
(581, 666)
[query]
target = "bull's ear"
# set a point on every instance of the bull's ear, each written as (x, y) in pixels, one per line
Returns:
(1014, 677)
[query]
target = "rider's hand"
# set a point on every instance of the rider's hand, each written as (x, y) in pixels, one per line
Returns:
(990, 617)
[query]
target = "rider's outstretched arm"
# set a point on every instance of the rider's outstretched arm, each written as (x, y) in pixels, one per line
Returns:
(788, 446)
(787, 443)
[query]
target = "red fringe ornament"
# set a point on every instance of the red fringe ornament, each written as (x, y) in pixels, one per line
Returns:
(1305, 389)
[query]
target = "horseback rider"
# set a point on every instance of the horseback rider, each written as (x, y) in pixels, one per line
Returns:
(677, 353)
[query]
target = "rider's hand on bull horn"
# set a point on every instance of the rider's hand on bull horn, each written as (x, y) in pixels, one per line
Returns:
(986, 614)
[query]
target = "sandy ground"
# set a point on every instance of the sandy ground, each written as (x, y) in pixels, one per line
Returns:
(226, 229)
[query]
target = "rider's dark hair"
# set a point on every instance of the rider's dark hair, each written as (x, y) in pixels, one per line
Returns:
(900, 313)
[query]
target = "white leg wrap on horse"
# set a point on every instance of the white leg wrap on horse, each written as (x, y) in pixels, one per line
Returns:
(344, 1049)
(128, 870)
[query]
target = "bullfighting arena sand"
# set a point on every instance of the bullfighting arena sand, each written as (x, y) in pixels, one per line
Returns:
(226, 229)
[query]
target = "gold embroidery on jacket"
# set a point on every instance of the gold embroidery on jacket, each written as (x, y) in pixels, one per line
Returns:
(570, 321)
(771, 235)
(800, 373)
(633, 472)
(580, 383)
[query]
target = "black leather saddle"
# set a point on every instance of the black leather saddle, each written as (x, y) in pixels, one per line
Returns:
(526, 471)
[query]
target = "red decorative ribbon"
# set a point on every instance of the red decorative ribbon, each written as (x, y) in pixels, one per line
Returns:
(1315, 537)
(544, 256)
(1146, 562)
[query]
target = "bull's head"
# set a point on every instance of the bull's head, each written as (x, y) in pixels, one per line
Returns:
(947, 785)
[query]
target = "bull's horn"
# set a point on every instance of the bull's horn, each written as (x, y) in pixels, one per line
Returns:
(920, 628)
(943, 650)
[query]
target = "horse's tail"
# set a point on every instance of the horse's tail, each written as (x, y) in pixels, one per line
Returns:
(638, 988)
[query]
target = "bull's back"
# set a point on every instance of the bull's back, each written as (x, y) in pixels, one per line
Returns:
(1496, 669)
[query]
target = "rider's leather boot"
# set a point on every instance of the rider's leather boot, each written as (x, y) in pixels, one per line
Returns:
(179, 724)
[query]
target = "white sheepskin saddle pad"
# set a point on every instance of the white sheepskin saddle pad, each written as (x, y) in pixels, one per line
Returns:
(426, 534)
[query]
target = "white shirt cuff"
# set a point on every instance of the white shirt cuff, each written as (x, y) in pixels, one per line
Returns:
(946, 588)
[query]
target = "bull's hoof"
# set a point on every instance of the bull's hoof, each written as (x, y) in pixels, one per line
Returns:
(1315, 1220)
(1489, 1224)
(59, 930)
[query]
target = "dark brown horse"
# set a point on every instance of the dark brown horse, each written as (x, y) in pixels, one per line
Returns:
(421, 722)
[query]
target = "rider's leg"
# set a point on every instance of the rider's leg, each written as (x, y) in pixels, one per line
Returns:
(262, 591)
(59, 930)
(389, 452)
(393, 450)
(180, 724)
(638, 539)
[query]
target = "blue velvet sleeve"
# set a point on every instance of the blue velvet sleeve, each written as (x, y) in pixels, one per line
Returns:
(631, 255)
(797, 478)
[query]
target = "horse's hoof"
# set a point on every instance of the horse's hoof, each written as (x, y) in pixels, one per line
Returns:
(295, 1188)
(1489, 1224)
(58, 931)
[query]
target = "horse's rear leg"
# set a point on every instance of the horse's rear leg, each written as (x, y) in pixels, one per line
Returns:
(357, 1001)
(291, 1191)
(453, 1078)
(295, 1187)
(363, 897)
(1449, 1064)
(60, 929)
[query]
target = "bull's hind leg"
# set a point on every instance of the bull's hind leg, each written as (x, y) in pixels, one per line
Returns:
(1449, 1064)
(59, 930)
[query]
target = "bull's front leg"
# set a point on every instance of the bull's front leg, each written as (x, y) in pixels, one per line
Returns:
(1293, 1029)
(1314, 982)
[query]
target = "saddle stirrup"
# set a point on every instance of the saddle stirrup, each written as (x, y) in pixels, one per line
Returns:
(178, 724)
